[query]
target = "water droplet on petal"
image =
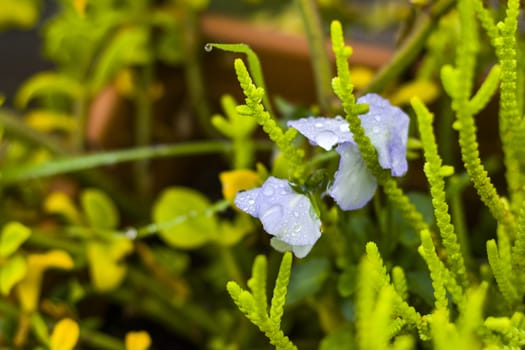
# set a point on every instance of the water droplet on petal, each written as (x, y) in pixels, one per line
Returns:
(326, 139)
(318, 125)
(268, 191)
(344, 128)
(251, 202)
(297, 228)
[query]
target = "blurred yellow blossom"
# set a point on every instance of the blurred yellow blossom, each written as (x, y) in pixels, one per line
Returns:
(426, 90)
(106, 267)
(60, 203)
(138, 340)
(28, 289)
(361, 76)
(48, 121)
(236, 180)
(65, 335)
(80, 6)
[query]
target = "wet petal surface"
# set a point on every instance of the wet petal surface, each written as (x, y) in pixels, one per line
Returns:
(324, 132)
(354, 185)
(387, 128)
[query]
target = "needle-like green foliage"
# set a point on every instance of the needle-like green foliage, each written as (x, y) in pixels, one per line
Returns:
(503, 38)
(343, 88)
(253, 107)
(254, 304)
(433, 170)
(458, 82)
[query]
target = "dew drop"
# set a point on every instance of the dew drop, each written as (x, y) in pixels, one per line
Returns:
(297, 228)
(326, 139)
(251, 202)
(318, 125)
(208, 47)
(343, 127)
(131, 233)
(268, 191)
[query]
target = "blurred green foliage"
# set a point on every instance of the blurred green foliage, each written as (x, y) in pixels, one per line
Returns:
(94, 256)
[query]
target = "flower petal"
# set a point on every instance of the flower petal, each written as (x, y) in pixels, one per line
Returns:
(387, 128)
(245, 200)
(299, 251)
(354, 185)
(325, 132)
(284, 214)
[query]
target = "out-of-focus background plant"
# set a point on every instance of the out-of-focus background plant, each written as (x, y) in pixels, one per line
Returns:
(126, 132)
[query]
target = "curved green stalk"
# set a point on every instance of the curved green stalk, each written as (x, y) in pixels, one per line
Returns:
(254, 108)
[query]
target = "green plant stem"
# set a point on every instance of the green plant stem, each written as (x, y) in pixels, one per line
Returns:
(71, 164)
(193, 72)
(456, 186)
(143, 128)
(154, 228)
(405, 55)
(99, 340)
(320, 61)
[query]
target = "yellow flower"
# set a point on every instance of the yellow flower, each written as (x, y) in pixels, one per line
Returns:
(28, 289)
(60, 203)
(80, 6)
(236, 180)
(138, 340)
(65, 335)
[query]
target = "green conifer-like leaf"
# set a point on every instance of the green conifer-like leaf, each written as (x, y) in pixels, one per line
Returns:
(280, 290)
(380, 279)
(433, 172)
(343, 88)
(400, 282)
(518, 251)
(255, 109)
(486, 91)
(253, 64)
(471, 319)
(449, 78)
(444, 333)
(257, 284)
(465, 64)
(427, 250)
(249, 303)
(501, 274)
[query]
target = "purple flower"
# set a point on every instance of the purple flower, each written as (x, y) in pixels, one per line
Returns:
(285, 214)
(387, 128)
